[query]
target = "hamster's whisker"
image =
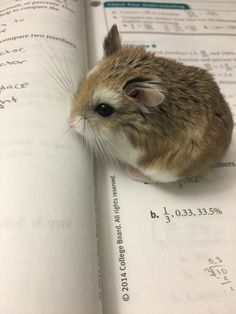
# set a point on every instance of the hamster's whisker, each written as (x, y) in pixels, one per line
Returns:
(76, 123)
(112, 148)
(85, 125)
(100, 150)
(97, 149)
(110, 154)
(69, 129)
(99, 146)
(109, 148)
(89, 136)
(102, 147)
(62, 77)
(60, 69)
(74, 85)
(56, 73)
(62, 85)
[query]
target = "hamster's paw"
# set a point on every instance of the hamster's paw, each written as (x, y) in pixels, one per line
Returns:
(136, 175)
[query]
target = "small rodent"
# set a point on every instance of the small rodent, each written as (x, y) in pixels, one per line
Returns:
(164, 120)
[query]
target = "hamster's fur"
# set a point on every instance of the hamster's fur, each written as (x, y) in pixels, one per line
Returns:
(163, 119)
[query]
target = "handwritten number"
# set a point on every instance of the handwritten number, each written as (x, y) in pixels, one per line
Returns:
(219, 259)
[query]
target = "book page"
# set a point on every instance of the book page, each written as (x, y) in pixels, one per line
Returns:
(47, 220)
(170, 248)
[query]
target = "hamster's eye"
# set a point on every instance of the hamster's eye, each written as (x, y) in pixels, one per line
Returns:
(104, 110)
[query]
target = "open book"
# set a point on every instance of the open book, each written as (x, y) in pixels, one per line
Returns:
(78, 237)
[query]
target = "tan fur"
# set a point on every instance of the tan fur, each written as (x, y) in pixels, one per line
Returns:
(186, 134)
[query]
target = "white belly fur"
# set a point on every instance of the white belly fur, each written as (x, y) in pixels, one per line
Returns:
(126, 153)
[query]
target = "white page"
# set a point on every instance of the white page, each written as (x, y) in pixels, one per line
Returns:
(171, 248)
(48, 247)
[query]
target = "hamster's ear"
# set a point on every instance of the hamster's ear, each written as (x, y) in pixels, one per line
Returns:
(147, 94)
(112, 42)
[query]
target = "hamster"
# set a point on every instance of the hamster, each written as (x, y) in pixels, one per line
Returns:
(162, 119)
